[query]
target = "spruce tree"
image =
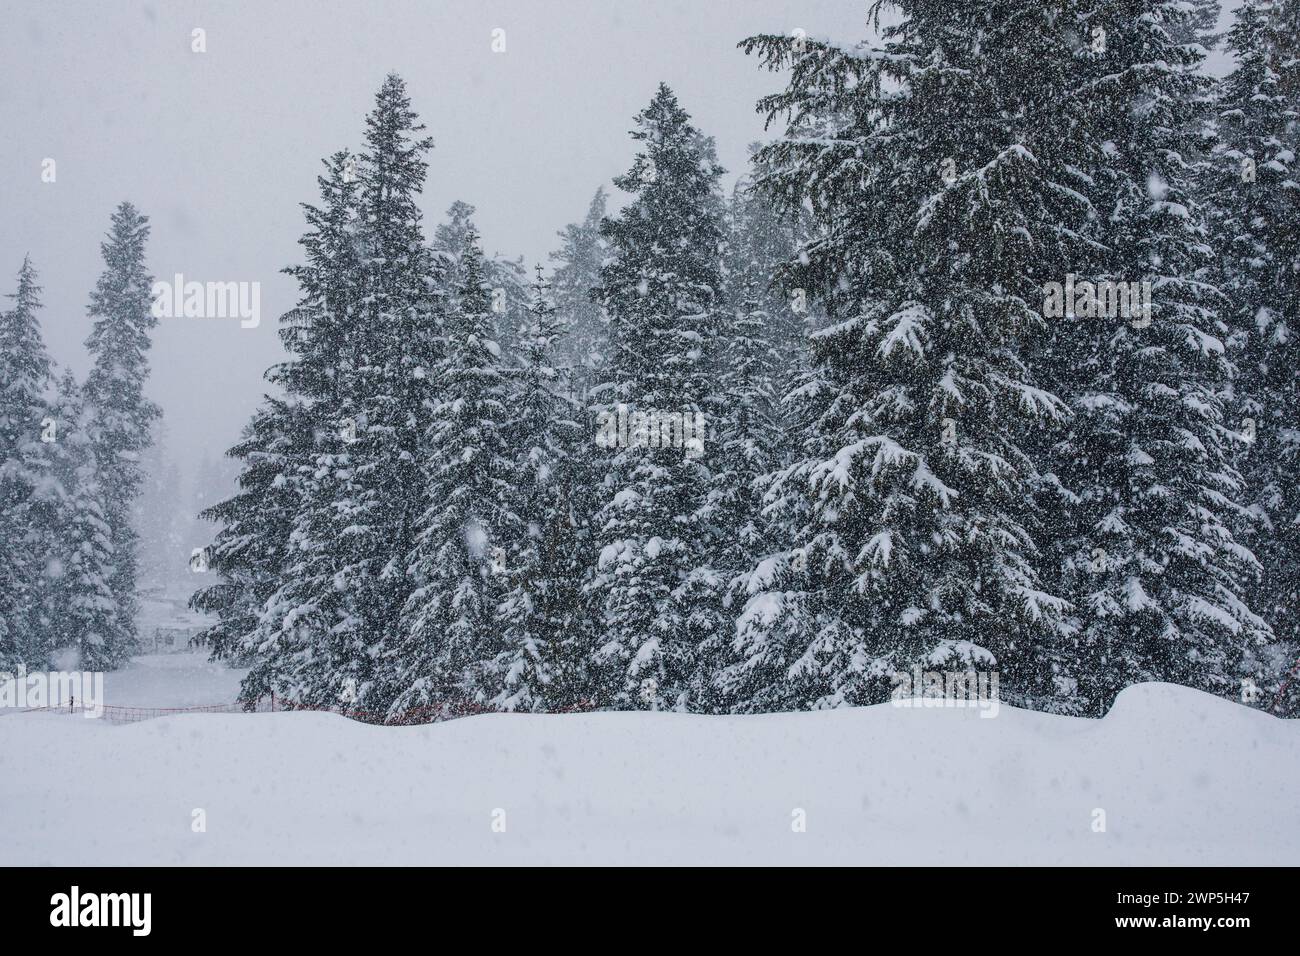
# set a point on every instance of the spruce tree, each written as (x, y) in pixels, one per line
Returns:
(281, 537)
(84, 613)
(1256, 205)
(162, 518)
(505, 279)
(249, 553)
(931, 165)
(760, 359)
(367, 337)
(546, 631)
(435, 657)
(24, 557)
(1153, 556)
(658, 597)
(121, 417)
(400, 335)
(1199, 26)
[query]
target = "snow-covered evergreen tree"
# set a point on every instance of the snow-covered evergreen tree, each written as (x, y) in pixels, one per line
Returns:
(434, 657)
(84, 614)
(451, 236)
(911, 457)
(941, 205)
(659, 599)
(162, 518)
(24, 557)
(1254, 189)
(283, 536)
(1152, 557)
(546, 628)
(365, 333)
(762, 355)
(121, 417)
(1200, 26)
(248, 554)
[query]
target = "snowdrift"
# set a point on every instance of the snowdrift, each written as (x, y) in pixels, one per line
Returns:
(1182, 777)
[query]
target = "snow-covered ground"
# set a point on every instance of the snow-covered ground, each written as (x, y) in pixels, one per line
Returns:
(1183, 778)
(186, 679)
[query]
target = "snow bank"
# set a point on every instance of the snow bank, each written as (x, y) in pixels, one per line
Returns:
(1183, 778)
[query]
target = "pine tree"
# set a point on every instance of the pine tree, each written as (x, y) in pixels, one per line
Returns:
(121, 417)
(435, 656)
(451, 236)
(577, 264)
(280, 540)
(545, 627)
(658, 596)
(930, 162)
(84, 613)
(1153, 558)
(1256, 202)
(760, 360)
(366, 336)
(211, 484)
(24, 379)
(249, 552)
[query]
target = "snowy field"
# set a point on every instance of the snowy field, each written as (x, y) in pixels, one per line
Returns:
(1183, 778)
(172, 680)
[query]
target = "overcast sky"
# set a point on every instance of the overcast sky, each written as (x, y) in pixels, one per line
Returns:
(219, 148)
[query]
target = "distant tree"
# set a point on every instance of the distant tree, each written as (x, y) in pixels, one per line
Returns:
(577, 265)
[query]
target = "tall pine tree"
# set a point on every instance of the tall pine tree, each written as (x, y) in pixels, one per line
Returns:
(546, 628)
(435, 657)
(658, 596)
(1254, 189)
(249, 553)
(24, 380)
(932, 168)
(762, 356)
(1153, 557)
(84, 613)
(368, 325)
(121, 417)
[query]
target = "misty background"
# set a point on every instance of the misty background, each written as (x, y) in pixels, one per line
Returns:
(220, 148)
